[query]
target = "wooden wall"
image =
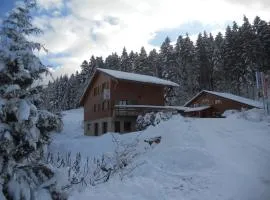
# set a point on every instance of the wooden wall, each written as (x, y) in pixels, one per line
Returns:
(217, 103)
(134, 92)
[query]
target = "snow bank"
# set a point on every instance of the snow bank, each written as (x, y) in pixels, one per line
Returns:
(254, 115)
(227, 158)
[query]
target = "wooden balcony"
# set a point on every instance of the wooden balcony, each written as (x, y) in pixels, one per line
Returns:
(135, 110)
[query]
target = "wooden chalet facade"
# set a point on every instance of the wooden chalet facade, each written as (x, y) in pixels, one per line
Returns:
(113, 100)
(213, 104)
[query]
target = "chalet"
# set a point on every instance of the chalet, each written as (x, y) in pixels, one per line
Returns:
(213, 104)
(113, 100)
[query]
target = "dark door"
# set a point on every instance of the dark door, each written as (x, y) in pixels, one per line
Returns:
(117, 127)
(104, 127)
(96, 129)
(127, 126)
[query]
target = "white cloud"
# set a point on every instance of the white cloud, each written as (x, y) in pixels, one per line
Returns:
(100, 27)
(49, 4)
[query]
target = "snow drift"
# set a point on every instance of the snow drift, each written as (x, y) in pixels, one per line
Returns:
(227, 158)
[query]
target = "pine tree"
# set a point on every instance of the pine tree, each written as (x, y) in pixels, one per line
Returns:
(186, 69)
(132, 58)
(233, 63)
(168, 67)
(125, 64)
(23, 128)
(167, 60)
(218, 63)
(153, 63)
(204, 53)
(99, 64)
(248, 62)
(226, 63)
(112, 62)
(141, 63)
(262, 48)
(72, 92)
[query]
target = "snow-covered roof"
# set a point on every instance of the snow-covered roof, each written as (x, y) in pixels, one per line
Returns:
(230, 96)
(128, 77)
(200, 108)
(137, 77)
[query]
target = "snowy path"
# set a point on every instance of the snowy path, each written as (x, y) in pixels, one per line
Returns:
(226, 159)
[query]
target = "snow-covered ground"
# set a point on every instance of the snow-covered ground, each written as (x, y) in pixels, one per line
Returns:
(197, 159)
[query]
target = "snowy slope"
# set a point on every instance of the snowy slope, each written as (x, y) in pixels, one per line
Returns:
(196, 159)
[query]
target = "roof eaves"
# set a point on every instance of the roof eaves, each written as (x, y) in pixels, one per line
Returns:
(173, 84)
(223, 95)
(198, 94)
(89, 83)
(86, 89)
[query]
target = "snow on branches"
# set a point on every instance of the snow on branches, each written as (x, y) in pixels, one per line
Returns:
(23, 128)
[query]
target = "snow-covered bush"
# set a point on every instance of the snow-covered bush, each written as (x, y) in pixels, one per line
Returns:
(228, 113)
(151, 119)
(48, 121)
(23, 129)
(255, 115)
(74, 173)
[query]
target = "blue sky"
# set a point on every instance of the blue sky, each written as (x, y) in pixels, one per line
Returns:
(76, 29)
(190, 28)
(6, 5)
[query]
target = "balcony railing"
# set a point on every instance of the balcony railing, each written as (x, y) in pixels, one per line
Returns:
(135, 110)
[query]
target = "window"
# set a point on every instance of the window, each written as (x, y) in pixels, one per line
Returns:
(205, 101)
(98, 107)
(216, 114)
(103, 105)
(88, 127)
(104, 127)
(123, 102)
(104, 86)
(100, 89)
(95, 107)
(117, 126)
(218, 101)
(96, 129)
(127, 126)
(108, 105)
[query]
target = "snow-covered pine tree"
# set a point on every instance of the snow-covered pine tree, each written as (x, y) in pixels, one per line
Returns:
(48, 96)
(23, 128)
(248, 61)
(72, 92)
(204, 49)
(113, 62)
(154, 67)
(124, 61)
(141, 64)
(218, 63)
(186, 69)
(167, 60)
(99, 64)
(233, 65)
(262, 50)
(168, 67)
(132, 58)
